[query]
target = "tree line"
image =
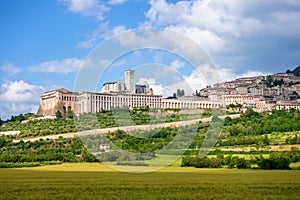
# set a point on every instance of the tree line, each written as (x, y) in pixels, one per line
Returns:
(254, 123)
(276, 160)
(62, 149)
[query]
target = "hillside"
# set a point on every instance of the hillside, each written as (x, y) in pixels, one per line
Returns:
(296, 71)
(257, 132)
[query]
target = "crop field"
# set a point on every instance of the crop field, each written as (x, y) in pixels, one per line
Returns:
(95, 181)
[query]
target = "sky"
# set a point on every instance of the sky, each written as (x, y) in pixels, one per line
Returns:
(47, 45)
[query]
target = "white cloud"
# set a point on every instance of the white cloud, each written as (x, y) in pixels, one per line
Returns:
(20, 91)
(86, 7)
(228, 29)
(116, 64)
(292, 2)
(92, 38)
(160, 89)
(231, 31)
(163, 39)
(187, 84)
(201, 77)
(211, 24)
(204, 75)
(102, 32)
(149, 81)
(18, 97)
(11, 69)
(166, 81)
(156, 87)
(8, 109)
(81, 5)
(198, 14)
(86, 44)
(218, 21)
(65, 66)
(287, 21)
(93, 65)
(176, 64)
(116, 2)
(207, 39)
(251, 73)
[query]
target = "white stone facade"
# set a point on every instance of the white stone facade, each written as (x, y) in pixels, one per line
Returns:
(189, 103)
(118, 86)
(92, 102)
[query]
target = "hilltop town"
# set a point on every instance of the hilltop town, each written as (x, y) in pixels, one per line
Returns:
(263, 93)
(278, 91)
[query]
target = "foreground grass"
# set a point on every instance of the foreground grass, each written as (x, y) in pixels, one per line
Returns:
(95, 181)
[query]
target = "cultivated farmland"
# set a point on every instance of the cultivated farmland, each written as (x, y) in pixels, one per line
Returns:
(95, 181)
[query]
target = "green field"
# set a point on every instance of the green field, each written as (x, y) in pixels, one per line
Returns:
(95, 181)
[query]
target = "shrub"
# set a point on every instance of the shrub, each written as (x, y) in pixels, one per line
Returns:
(17, 165)
(132, 163)
(201, 162)
(236, 162)
(273, 163)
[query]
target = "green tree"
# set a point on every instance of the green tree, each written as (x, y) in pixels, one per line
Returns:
(2, 142)
(249, 113)
(180, 93)
(296, 71)
(58, 114)
(69, 114)
(20, 118)
(242, 163)
(273, 163)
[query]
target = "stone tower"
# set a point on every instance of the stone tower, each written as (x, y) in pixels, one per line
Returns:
(130, 81)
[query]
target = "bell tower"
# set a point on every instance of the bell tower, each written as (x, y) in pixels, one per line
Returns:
(130, 81)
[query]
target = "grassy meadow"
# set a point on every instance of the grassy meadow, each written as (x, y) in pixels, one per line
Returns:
(96, 181)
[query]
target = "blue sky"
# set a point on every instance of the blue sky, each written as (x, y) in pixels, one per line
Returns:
(44, 43)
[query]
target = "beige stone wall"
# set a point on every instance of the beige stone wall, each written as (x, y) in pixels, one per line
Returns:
(57, 100)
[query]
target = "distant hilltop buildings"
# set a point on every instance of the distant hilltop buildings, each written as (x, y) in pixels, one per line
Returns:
(262, 93)
(278, 91)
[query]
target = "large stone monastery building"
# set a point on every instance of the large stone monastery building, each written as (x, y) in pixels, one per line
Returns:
(115, 95)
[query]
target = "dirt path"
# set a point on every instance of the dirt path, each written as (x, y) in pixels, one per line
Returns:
(124, 128)
(267, 148)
